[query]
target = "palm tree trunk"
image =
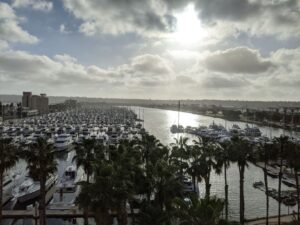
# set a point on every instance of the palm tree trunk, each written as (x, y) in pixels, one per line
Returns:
(122, 215)
(242, 200)
(85, 210)
(132, 214)
(226, 191)
(298, 193)
(1, 195)
(279, 192)
(194, 183)
(42, 205)
(207, 187)
(267, 193)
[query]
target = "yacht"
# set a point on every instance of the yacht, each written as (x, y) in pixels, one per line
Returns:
(30, 189)
(176, 129)
(252, 131)
(63, 142)
(68, 181)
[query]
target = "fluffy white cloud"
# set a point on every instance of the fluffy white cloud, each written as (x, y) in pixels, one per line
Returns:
(237, 60)
(116, 16)
(43, 5)
(10, 29)
(156, 76)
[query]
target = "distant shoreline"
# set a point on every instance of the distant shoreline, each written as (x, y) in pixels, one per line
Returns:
(215, 116)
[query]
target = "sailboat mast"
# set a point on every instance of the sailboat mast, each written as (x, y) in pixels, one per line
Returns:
(178, 113)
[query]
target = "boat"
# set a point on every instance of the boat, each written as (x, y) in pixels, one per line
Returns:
(289, 182)
(188, 184)
(30, 189)
(290, 201)
(63, 141)
(252, 131)
(272, 174)
(68, 181)
(258, 184)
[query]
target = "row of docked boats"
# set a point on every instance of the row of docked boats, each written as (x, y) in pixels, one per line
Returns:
(218, 131)
(107, 125)
(288, 197)
(66, 128)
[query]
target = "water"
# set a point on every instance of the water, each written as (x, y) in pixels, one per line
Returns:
(158, 122)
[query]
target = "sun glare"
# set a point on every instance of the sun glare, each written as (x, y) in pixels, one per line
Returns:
(188, 28)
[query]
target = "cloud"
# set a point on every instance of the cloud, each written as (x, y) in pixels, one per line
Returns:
(148, 18)
(153, 76)
(64, 71)
(237, 60)
(157, 18)
(255, 17)
(216, 82)
(63, 29)
(10, 30)
(42, 5)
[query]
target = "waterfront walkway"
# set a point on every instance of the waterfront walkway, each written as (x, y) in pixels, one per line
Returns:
(272, 220)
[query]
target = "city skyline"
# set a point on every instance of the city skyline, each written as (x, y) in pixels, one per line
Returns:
(159, 49)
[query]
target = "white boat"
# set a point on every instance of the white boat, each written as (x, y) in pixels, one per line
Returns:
(29, 189)
(63, 141)
(68, 180)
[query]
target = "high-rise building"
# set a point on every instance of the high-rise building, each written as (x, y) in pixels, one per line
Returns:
(43, 103)
(26, 99)
(35, 102)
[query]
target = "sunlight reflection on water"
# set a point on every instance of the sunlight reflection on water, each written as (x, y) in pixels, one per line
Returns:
(158, 123)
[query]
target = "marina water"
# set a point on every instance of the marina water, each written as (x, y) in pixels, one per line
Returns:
(158, 123)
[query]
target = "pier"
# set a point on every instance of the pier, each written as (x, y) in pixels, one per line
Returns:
(273, 220)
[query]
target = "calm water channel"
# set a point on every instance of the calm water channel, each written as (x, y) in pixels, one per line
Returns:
(158, 122)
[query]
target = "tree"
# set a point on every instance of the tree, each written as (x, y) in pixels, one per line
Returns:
(85, 156)
(207, 161)
(241, 152)
(194, 168)
(293, 157)
(281, 142)
(223, 160)
(265, 152)
(8, 159)
(180, 153)
(195, 211)
(97, 196)
(41, 163)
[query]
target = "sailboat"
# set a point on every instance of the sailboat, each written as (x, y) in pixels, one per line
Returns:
(177, 128)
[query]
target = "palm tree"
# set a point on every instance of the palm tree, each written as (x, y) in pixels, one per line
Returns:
(8, 159)
(265, 151)
(180, 153)
(85, 156)
(207, 161)
(194, 168)
(197, 211)
(241, 152)
(282, 141)
(293, 157)
(150, 214)
(223, 160)
(97, 196)
(41, 163)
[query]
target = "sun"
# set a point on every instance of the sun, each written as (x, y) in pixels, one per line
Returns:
(188, 28)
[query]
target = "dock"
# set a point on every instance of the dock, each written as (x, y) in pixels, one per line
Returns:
(272, 220)
(33, 213)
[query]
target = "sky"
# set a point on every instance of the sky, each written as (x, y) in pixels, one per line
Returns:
(151, 49)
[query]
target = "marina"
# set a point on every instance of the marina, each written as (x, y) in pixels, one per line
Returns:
(109, 125)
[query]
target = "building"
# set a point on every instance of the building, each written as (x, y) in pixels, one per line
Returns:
(26, 99)
(35, 102)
